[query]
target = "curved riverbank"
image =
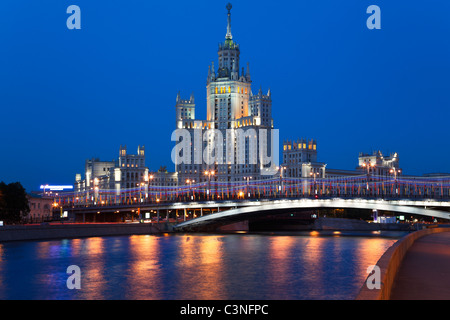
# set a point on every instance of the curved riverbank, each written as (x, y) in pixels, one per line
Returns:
(390, 263)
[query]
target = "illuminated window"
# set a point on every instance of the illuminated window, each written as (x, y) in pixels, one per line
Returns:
(284, 147)
(217, 91)
(314, 147)
(245, 90)
(289, 147)
(229, 89)
(304, 146)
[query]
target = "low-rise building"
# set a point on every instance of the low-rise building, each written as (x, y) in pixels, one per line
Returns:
(40, 208)
(127, 172)
(300, 161)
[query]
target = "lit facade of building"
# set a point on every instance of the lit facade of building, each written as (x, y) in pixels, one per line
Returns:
(378, 164)
(128, 171)
(236, 112)
(300, 159)
(163, 178)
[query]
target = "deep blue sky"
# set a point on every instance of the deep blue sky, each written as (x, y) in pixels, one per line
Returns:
(68, 95)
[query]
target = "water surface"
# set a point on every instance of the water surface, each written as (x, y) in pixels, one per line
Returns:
(192, 266)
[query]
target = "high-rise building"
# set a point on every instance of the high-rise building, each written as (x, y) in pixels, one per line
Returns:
(233, 140)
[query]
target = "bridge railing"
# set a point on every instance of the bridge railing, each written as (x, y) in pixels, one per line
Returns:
(347, 187)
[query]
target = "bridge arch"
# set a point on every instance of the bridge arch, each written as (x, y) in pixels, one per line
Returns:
(282, 206)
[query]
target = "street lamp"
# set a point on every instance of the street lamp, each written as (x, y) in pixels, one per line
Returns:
(190, 183)
(246, 189)
(209, 174)
(395, 171)
(150, 179)
(368, 165)
(280, 187)
(140, 191)
(314, 175)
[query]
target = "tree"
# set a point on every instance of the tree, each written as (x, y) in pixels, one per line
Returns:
(13, 202)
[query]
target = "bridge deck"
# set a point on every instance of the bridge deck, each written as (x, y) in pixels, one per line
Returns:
(425, 271)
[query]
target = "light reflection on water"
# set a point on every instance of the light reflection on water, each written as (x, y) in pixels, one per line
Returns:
(191, 266)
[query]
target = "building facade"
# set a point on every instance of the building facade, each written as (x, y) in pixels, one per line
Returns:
(300, 159)
(379, 164)
(40, 208)
(227, 146)
(127, 172)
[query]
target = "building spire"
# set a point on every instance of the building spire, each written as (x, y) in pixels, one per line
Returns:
(229, 36)
(247, 75)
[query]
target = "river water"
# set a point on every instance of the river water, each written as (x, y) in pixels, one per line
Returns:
(269, 266)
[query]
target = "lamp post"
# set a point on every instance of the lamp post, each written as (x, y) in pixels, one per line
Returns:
(188, 181)
(368, 165)
(96, 190)
(189, 190)
(150, 178)
(246, 188)
(395, 171)
(314, 175)
(209, 174)
(140, 192)
(282, 168)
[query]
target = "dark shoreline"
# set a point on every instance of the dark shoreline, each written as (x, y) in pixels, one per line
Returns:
(71, 231)
(321, 227)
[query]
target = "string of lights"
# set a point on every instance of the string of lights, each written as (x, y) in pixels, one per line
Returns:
(352, 186)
